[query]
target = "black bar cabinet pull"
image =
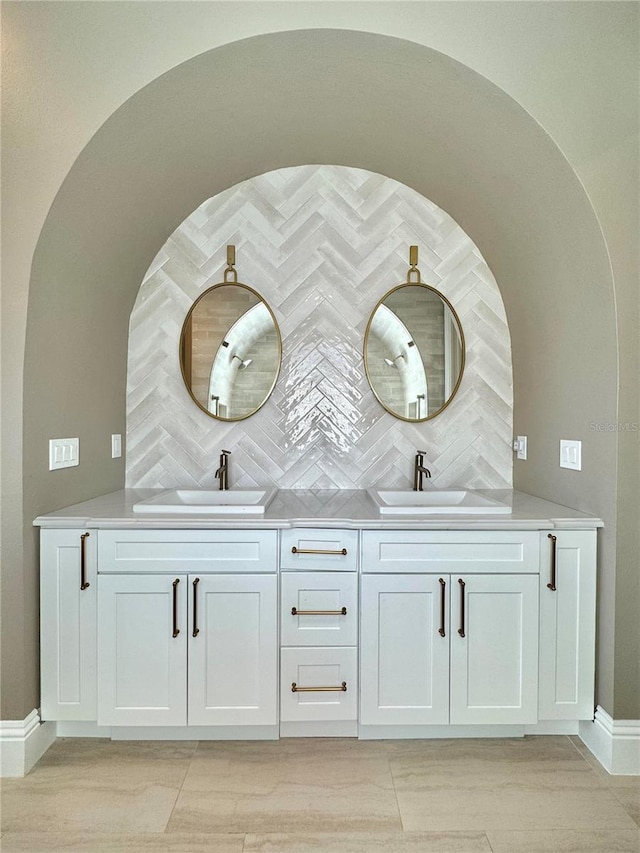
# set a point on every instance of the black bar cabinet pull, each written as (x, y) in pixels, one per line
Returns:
(443, 587)
(84, 583)
(552, 584)
(176, 630)
(196, 630)
(461, 628)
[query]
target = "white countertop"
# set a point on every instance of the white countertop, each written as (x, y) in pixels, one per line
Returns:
(348, 508)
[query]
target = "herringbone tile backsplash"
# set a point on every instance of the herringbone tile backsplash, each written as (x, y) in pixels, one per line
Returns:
(322, 244)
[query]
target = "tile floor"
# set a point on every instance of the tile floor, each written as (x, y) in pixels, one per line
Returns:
(313, 795)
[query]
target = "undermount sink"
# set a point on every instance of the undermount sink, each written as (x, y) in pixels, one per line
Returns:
(433, 501)
(205, 502)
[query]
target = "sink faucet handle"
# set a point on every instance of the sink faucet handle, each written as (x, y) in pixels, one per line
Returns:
(228, 452)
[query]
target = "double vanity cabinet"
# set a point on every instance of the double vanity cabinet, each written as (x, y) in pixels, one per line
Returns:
(290, 626)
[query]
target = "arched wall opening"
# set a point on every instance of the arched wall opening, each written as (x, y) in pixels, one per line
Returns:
(349, 98)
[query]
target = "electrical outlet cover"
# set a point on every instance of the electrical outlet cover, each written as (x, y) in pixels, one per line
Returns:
(571, 454)
(521, 447)
(116, 446)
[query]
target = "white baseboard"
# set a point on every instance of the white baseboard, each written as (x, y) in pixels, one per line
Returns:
(553, 727)
(544, 727)
(194, 733)
(86, 729)
(23, 743)
(311, 728)
(615, 743)
(400, 732)
(65, 728)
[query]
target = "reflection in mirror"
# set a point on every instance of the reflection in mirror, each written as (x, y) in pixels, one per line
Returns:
(230, 351)
(414, 352)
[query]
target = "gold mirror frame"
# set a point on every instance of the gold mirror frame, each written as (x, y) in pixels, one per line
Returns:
(230, 280)
(415, 282)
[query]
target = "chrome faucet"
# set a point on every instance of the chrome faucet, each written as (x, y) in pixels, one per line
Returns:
(419, 471)
(223, 473)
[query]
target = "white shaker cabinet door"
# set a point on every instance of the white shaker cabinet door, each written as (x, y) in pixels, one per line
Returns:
(404, 650)
(142, 650)
(68, 624)
(567, 624)
(233, 650)
(494, 649)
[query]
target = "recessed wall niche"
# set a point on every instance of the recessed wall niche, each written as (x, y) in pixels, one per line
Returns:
(321, 244)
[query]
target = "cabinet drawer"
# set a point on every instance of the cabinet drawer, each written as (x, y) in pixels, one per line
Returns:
(318, 667)
(319, 591)
(187, 551)
(450, 551)
(332, 550)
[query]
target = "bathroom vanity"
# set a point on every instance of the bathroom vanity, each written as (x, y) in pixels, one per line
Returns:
(322, 617)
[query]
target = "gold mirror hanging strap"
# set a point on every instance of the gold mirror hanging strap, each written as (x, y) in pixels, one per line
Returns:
(230, 274)
(413, 274)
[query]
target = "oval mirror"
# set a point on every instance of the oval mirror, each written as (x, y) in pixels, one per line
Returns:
(414, 352)
(230, 351)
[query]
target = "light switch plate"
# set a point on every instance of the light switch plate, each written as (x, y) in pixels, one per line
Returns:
(571, 454)
(64, 453)
(116, 446)
(520, 446)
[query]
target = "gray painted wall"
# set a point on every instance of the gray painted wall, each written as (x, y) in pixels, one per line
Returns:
(533, 196)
